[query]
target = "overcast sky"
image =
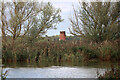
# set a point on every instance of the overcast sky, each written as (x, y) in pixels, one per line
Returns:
(67, 12)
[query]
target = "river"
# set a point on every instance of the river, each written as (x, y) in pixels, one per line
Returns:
(56, 70)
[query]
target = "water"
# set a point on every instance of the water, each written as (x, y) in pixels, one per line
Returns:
(58, 70)
(53, 72)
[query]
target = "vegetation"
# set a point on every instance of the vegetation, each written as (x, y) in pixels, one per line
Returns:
(96, 21)
(25, 21)
(113, 74)
(22, 29)
(99, 23)
(96, 27)
(59, 51)
(3, 75)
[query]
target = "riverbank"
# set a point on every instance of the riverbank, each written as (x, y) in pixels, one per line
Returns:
(54, 70)
(0, 65)
(63, 51)
(112, 74)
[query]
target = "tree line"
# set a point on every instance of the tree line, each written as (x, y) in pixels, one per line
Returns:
(96, 24)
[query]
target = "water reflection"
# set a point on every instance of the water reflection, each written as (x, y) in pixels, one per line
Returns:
(65, 64)
(56, 70)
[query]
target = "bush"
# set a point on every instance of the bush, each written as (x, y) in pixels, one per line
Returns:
(113, 74)
(23, 56)
(59, 51)
(8, 56)
(109, 51)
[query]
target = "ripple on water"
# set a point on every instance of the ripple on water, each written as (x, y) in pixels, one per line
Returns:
(54, 72)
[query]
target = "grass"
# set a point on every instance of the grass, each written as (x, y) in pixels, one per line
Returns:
(3, 75)
(61, 51)
(0, 61)
(113, 74)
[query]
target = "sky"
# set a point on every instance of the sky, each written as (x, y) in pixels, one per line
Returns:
(66, 13)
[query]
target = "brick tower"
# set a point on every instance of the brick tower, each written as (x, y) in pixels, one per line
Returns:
(62, 35)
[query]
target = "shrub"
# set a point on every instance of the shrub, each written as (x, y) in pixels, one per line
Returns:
(4, 74)
(8, 56)
(109, 51)
(113, 74)
(55, 51)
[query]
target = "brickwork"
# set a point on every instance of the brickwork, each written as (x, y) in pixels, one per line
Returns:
(62, 35)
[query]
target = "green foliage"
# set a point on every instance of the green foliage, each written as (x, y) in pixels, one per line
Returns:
(47, 19)
(3, 75)
(22, 56)
(112, 74)
(65, 51)
(96, 21)
(109, 50)
(25, 23)
(8, 55)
